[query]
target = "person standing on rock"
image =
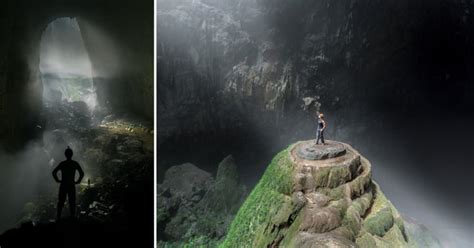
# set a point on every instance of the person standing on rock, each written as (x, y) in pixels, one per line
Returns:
(320, 129)
(67, 182)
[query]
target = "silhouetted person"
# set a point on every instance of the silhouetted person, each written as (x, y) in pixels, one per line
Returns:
(68, 182)
(320, 129)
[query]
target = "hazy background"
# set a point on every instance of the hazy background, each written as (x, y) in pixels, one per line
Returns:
(62, 49)
(394, 79)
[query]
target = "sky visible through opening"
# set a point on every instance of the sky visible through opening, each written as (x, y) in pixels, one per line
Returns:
(65, 66)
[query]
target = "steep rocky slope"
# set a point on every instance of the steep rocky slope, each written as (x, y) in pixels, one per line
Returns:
(328, 202)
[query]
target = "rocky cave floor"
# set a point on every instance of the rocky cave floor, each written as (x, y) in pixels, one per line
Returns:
(114, 200)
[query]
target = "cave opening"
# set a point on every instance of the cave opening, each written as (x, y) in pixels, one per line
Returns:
(73, 74)
(65, 66)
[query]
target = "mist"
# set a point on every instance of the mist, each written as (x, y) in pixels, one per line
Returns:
(62, 49)
(423, 171)
(393, 80)
(65, 65)
(23, 177)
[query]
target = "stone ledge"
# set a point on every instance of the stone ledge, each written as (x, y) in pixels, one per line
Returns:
(310, 151)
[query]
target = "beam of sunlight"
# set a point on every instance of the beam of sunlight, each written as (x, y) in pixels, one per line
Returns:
(65, 64)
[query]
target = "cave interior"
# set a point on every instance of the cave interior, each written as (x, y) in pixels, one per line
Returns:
(79, 74)
(393, 78)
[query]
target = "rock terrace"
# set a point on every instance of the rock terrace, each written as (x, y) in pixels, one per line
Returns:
(311, 151)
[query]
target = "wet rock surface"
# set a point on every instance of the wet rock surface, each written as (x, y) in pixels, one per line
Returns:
(312, 151)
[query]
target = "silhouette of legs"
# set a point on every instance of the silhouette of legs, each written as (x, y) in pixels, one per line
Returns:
(70, 192)
(71, 195)
(61, 200)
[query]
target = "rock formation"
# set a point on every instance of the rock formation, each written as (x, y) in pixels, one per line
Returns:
(328, 201)
(196, 208)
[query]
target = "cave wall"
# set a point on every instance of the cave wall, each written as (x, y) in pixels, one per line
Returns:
(121, 49)
(233, 66)
(128, 24)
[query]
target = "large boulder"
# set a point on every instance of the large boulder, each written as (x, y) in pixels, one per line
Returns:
(226, 194)
(191, 203)
(186, 180)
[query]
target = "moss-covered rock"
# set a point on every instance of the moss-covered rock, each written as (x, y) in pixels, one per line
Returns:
(226, 193)
(327, 203)
(366, 240)
(380, 222)
(253, 223)
(395, 237)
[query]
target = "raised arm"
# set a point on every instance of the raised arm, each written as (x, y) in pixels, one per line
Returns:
(81, 174)
(55, 173)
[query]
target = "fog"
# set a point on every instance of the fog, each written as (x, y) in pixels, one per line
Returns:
(65, 65)
(25, 175)
(423, 164)
(62, 49)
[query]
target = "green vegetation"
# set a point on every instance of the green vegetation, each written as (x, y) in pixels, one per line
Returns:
(272, 216)
(366, 240)
(267, 198)
(195, 242)
(380, 222)
(383, 224)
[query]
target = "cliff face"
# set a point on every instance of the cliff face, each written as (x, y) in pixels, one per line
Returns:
(332, 202)
(245, 65)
